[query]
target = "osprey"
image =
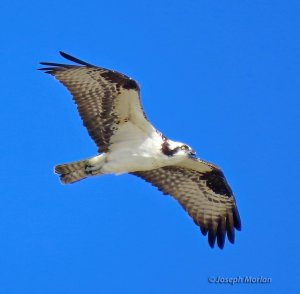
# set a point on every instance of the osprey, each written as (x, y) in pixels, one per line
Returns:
(109, 105)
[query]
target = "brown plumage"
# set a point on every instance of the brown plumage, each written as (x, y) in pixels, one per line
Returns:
(204, 194)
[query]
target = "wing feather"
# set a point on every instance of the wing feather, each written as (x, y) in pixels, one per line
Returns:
(105, 99)
(203, 192)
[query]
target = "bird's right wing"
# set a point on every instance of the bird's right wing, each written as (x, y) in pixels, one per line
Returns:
(105, 99)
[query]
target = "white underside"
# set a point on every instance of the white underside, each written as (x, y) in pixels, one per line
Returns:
(133, 150)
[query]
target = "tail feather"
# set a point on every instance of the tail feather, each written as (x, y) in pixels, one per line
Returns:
(77, 170)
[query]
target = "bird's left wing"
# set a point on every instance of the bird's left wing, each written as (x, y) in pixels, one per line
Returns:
(105, 99)
(203, 191)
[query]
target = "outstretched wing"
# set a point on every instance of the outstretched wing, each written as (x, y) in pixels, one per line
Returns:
(105, 99)
(204, 193)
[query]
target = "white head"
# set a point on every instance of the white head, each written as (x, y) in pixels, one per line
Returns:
(178, 149)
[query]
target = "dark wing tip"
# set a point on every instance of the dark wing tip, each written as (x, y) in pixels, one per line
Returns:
(216, 181)
(221, 233)
(233, 222)
(230, 229)
(51, 66)
(217, 234)
(237, 219)
(74, 59)
(212, 238)
(224, 226)
(203, 231)
(230, 236)
(221, 241)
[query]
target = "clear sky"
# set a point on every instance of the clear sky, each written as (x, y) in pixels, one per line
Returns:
(222, 76)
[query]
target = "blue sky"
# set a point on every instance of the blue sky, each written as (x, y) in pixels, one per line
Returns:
(222, 76)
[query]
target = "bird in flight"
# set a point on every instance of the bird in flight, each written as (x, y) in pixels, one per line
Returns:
(110, 107)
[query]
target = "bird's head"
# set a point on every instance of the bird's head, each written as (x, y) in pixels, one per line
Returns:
(178, 149)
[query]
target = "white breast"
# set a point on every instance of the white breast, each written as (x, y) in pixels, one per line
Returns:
(133, 150)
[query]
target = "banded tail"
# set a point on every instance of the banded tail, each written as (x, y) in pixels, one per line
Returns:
(78, 170)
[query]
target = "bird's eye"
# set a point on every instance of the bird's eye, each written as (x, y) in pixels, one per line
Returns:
(184, 147)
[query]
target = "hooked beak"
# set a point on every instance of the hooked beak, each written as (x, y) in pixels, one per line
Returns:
(192, 153)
